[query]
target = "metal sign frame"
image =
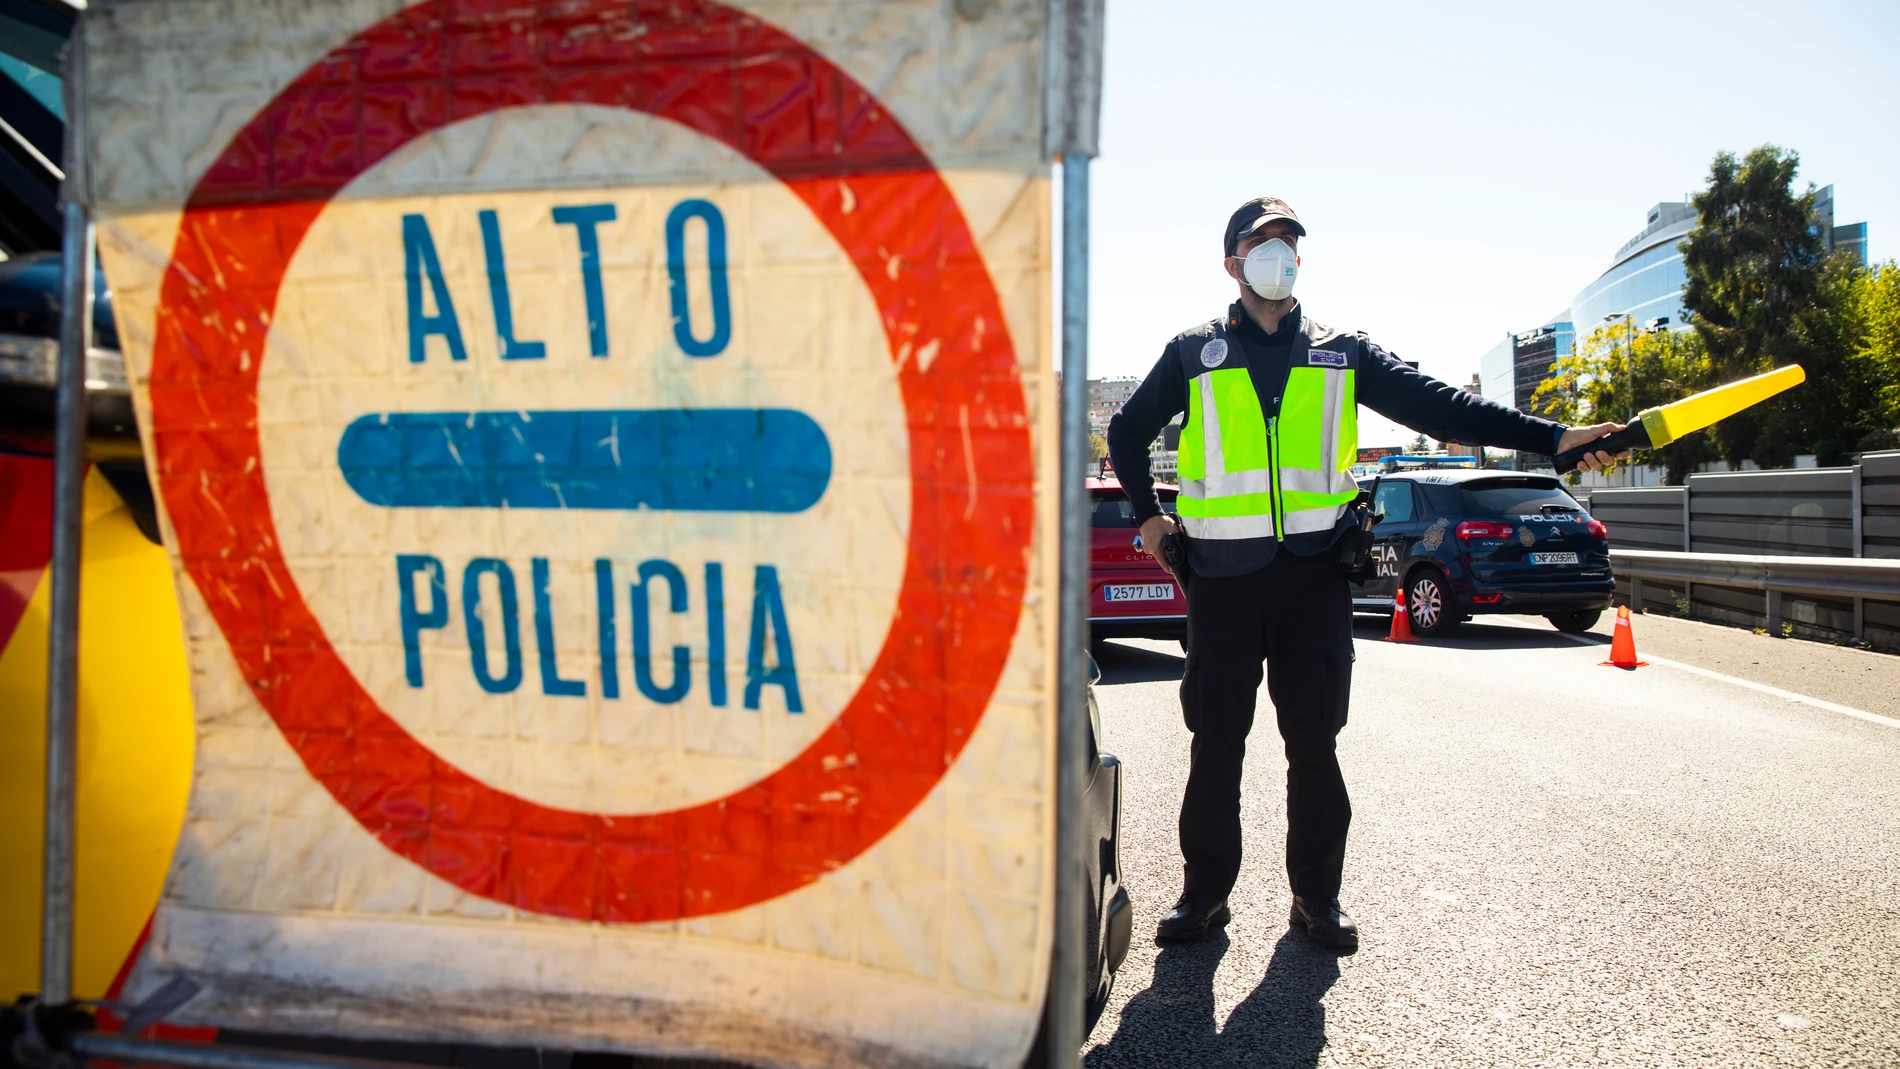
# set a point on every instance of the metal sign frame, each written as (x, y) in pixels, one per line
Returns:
(1073, 113)
(1073, 61)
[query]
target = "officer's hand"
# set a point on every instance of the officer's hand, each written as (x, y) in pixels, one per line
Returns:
(1596, 460)
(1152, 531)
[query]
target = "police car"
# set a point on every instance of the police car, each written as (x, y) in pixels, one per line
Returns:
(1463, 542)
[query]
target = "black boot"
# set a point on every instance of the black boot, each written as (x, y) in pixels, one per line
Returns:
(1325, 923)
(1191, 919)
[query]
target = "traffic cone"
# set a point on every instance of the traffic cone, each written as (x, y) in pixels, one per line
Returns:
(1623, 643)
(1401, 621)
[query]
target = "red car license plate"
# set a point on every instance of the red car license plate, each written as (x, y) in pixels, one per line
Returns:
(1139, 592)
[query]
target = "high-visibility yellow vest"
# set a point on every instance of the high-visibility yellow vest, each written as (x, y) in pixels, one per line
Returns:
(1250, 470)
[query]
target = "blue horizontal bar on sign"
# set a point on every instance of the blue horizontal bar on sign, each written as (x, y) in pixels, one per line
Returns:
(693, 460)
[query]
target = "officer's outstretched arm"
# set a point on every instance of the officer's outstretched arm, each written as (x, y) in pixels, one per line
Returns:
(1405, 395)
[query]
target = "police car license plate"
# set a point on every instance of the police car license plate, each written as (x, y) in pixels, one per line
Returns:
(1553, 558)
(1145, 592)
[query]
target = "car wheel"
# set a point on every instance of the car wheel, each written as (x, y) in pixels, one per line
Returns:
(1429, 603)
(1574, 622)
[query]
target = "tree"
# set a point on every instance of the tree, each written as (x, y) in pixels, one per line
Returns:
(1611, 377)
(1761, 292)
(1421, 445)
(1873, 307)
(1098, 447)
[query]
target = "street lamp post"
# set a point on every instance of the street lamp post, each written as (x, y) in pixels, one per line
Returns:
(1653, 326)
(1629, 352)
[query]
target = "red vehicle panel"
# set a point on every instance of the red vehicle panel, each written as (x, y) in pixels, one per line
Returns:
(1130, 596)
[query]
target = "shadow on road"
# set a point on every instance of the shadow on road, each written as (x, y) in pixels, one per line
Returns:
(1282, 1023)
(1477, 635)
(1123, 663)
(1126, 662)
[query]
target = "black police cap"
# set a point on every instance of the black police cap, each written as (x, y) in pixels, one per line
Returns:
(1256, 213)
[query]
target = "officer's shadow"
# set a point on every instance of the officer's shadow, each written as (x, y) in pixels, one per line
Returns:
(1281, 1024)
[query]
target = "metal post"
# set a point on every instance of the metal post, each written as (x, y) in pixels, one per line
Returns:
(69, 473)
(62, 652)
(1688, 589)
(1860, 548)
(1629, 358)
(1072, 727)
(1636, 593)
(1856, 508)
(1774, 612)
(1685, 517)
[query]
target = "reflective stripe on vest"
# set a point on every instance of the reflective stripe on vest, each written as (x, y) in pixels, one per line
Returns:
(1227, 469)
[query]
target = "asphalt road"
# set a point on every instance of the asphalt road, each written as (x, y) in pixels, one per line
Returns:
(1552, 862)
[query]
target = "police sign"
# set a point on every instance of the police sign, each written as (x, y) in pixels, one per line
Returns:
(602, 446)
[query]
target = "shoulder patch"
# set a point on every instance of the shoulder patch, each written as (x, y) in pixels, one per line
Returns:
(1214, 353)
(1325, 358)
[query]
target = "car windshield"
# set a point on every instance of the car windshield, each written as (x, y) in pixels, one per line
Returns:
(1113, 510)
(1514, 496)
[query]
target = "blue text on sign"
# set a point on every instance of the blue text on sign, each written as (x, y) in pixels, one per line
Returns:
(424, 283)
(489, 598)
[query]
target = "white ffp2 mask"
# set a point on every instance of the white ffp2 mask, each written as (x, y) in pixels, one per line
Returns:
(1271, 269)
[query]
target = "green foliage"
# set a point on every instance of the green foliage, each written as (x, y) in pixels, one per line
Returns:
(1098, 447)
(1761, 293)
(1839, 411)
(1873, 307)
(1752, 260)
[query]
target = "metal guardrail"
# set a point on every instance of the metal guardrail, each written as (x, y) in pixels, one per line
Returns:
(1830, 577)
(1849, 511)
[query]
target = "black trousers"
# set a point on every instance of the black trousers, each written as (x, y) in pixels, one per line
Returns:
(1296, 616)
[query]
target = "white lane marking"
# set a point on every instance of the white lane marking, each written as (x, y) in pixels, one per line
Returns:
(1788, 695)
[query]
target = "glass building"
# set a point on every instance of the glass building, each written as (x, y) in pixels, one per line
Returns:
(1849, 236)
(1645, 281)
(1511, 371)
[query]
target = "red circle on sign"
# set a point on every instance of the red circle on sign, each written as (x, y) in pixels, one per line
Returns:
(731, 77)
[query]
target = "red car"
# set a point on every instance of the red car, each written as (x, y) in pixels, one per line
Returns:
(1130, 596)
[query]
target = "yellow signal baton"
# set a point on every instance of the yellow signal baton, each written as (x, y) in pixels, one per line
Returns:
(1656, 427)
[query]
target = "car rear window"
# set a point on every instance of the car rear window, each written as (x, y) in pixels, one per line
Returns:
(1513, 495)
(1113, 510)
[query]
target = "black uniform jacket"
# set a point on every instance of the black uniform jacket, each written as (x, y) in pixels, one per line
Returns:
(1384, 384)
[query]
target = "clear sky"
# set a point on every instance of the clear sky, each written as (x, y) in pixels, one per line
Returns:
(1463, 170)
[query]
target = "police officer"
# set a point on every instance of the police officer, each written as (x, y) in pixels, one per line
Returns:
(1271, 398)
